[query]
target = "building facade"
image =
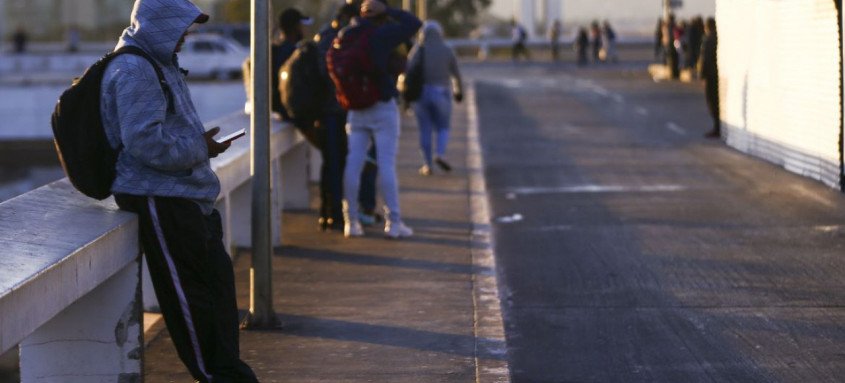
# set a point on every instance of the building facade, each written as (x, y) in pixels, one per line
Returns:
(780, 65)
(629, 17)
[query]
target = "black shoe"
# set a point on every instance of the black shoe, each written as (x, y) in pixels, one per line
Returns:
(713, 134)
(323, 223)
(443, 164)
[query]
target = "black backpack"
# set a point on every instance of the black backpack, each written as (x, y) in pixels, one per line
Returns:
(78, 132)
(303, 89)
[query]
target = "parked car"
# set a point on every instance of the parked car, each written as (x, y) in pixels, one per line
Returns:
(238, 32)
(212, 56)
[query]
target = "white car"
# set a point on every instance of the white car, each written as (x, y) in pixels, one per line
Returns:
(212, 56)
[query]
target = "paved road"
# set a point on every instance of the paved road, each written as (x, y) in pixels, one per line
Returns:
(631, 249)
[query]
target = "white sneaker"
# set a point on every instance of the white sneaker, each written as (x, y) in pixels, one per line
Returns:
(396, 231)
(353, 229)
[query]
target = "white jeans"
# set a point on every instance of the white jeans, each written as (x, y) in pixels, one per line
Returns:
(380, 123)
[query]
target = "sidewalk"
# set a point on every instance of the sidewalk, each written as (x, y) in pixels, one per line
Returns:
(424, 309)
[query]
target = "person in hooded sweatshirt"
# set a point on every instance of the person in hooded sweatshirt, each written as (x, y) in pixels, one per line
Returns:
(164, 175)
(441, 77)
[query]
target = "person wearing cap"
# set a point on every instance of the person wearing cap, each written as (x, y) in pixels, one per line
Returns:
(380, 121)
(164, 175)
(292, 24)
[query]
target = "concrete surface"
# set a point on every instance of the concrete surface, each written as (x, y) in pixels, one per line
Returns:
(375, 310)
(632, 249)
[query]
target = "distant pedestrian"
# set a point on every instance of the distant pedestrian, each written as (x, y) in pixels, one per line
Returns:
(367, 120)
(442, 79)
(164, 175)
(73, 39)
(679, 35)
(595, 38)
(696, 38)
(20, 39)
(670, 48)
(710, 74)
(582, 45)
(658, 42)
(292, 23)
(609, 43)
(519, 36)
(554, 39)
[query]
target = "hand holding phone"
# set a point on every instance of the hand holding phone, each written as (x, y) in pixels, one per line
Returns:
(231, 137)
(215, 147)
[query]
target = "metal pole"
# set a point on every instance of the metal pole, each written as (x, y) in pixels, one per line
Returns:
(261, 313)
(422, 9)
(406, 5)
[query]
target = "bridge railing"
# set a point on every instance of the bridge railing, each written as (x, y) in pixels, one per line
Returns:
(70, 274)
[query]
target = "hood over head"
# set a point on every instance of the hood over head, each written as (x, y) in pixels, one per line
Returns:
(157, 25)
(432, 31)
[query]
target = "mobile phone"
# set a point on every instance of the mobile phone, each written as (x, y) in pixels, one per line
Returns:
(231, 137)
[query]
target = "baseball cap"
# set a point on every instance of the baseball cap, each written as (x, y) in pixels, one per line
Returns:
(291, 17)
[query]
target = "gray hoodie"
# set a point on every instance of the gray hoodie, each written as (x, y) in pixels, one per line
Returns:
(164, 152)
(441, 65)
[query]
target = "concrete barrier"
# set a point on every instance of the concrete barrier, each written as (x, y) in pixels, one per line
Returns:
(70, 276)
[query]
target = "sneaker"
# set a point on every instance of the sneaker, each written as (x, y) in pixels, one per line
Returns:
(712, 134)
(425, 170)
(353, 229)
(366, 220)
(443, 164)
(396, 231)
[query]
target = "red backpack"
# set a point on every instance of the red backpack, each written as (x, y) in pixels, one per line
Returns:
(352, 69)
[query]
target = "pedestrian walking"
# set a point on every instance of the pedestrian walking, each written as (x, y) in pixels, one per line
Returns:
(442, 81)
(373, 112)
(582, 45)
(334, 142)
(554, 39)
(164, 175)
(710, 75)
(609, 43)
(519, 36)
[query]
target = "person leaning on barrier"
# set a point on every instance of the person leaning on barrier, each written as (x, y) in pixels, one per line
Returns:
(164, 175)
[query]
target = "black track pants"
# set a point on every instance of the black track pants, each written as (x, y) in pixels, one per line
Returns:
(194, 283)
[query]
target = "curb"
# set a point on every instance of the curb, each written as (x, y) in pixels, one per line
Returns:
(490, 345)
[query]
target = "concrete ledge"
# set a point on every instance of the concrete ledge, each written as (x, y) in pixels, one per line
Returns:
(57, 246)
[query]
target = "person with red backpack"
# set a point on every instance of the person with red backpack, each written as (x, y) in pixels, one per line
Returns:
(359, 66)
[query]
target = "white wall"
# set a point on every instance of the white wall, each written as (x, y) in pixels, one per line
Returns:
(779, 64)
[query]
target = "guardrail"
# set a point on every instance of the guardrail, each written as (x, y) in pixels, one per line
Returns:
(64, 62)
(70, 275)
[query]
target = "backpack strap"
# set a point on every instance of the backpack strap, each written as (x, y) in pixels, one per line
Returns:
(161, 79)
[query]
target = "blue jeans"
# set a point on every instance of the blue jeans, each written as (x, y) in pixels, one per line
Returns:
(433, 111)
(380, 123)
